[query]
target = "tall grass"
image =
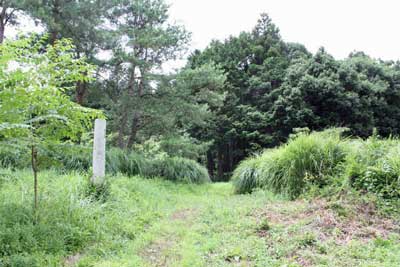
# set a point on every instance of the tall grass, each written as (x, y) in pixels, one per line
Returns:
(67, 158)
(13, 156)
(169, 168)
(306, 159)
(177, 169)
(319, 159)
(374, 166)
(71, 222)
(246, 175)
(65, 222)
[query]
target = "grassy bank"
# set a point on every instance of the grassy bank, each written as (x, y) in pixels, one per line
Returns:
(159, 223)
(326, 163)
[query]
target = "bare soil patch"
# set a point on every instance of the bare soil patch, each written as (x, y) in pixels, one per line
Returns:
(157, 253)
(184, 214)
(72, 260)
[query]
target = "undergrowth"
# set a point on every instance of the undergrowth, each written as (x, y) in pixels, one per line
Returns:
(69, 157)
(307, 159)
(79, 221)
(326, 160)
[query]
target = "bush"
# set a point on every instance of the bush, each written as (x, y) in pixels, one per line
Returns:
(245, 176)
(67, 157)
(374, 166)
(177, 169)
(170, 168)
(308, 159)
(70, 157)
(310, 162)
(131, 163)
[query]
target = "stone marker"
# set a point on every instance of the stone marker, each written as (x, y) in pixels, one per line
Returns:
(99, 152)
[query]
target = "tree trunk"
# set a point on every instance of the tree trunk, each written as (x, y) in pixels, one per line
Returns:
(3, 21)
(80, 93)
(220, 169)
(35, 180)
(136, 115)
(121, 129)
(2, 30)
(210, 164)
(231, 156)
(56, 14)
(134, 130)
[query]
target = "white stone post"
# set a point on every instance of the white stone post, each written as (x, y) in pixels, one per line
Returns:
(99, 152)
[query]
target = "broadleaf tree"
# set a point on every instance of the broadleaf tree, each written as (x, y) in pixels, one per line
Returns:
(34, 105)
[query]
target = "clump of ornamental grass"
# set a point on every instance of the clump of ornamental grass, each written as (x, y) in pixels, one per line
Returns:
(307, 159)
(177, 169)
(131, 164)
(71, 157)
(245, 177)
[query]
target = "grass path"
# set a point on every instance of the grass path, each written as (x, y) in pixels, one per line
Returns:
(212, 227)
(157, 223)
(205, 229)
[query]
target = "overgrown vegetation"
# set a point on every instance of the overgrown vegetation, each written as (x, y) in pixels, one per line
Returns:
(67, 157)
(306, 159)
(234, 98)
(154, 222)
(65, 223)
(237, 97)
(34, 106)
(275, 86)
(324, 159)
(374, 166)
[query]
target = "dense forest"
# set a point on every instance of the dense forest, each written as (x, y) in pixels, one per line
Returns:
(235, 98)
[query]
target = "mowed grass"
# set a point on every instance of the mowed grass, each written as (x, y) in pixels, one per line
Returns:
(151, 222)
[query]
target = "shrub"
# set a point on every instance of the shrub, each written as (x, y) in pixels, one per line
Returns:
(177, 169)
(308, 159)
(131, 163)
(69, 157)
(113, 160)
(374, 166)
(245, 176)
(169, 168)
(309, 162)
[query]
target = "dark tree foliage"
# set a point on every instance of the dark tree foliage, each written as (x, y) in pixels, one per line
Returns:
(274, 87)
